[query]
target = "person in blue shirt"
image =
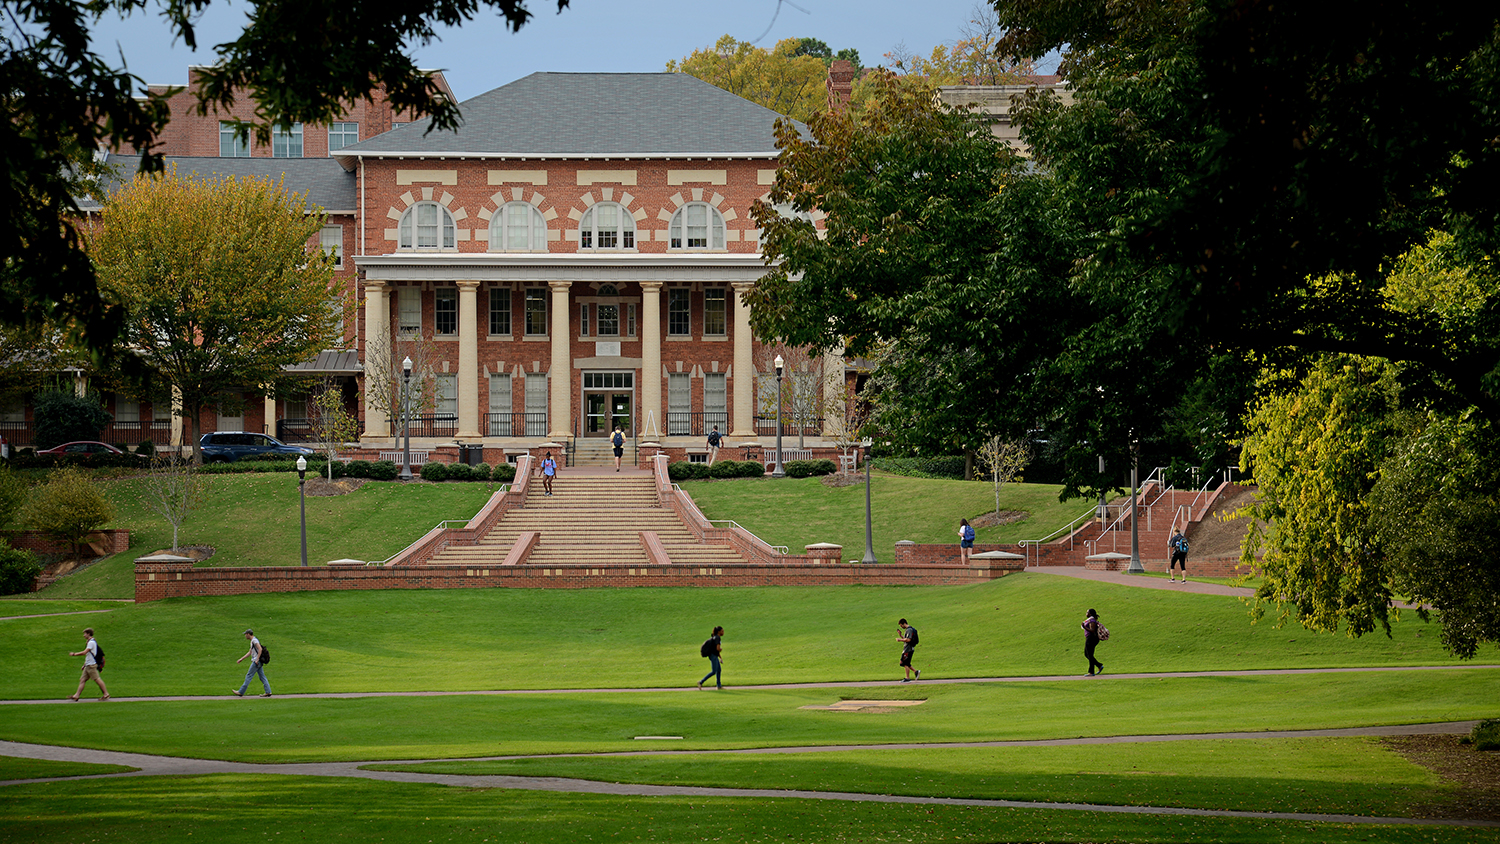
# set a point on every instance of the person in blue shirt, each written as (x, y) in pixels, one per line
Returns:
(549, 471)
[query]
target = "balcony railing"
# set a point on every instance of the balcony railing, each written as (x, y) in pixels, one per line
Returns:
(431, 425)
(766, 426)
(681, 424)
(17, 434)
(516, 425)
(301, 430)
(159, 432)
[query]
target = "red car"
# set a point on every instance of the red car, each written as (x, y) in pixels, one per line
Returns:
(82, 448)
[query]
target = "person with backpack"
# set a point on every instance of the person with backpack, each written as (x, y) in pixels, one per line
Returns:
(714, 438)
(1179, 545)
(549, 471)
(258, 656)
(93, 663)
(907, 635)
(1093, 631)
(713, 648)
(617, 439)
(965, 541)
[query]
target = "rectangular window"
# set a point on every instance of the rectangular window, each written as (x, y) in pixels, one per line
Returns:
(127, 410)
(332, 239)
(583, 320)
(678, 322)
(715, 315)
(161, 411)
(231, 143)
(287, 143)
(609, 320)
(447, 396)
(679, 404)
(536, 404)
(445, 310)
(341, 135)
(500, 400)
(715, 401)
(409, 304)
(296, 408)
(500, 311)
(536, 311)
(630, 319)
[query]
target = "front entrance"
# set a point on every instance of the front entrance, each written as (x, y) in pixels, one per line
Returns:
(608, 400)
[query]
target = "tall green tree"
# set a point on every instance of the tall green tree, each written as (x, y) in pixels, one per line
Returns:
(63, 101)
(222, 281)
(69, 507)
(784, 79)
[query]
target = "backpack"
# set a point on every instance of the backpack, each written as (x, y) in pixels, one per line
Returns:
(265, 654)
(713, 439)
(1103, 631)
(1181, 543)
(708, 648)
(98, 655)
(911, 634)
(969, 532)
(618, 440)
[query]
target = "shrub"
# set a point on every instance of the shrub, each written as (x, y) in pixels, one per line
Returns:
(480, 471)
(69, 507)
(686, 471)
(62, 416)
(12, 496)
(357, 469)
(808, 468)
(941, 466)
(434, 471)
(504, 473)
(1486, 734)
(383, 470)
(457, 472)
(147, 448)
(18, 569)
(724, 469)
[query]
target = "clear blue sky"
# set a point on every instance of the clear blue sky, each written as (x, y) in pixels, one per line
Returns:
(590, 35)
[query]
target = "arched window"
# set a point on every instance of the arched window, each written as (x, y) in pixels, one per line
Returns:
(426, 225)
(697, 225)
(518, 227)
(606, 225)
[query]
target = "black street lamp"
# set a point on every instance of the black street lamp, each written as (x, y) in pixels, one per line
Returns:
(869, 528)
(779, 471)
(302, 494)
(406, 419)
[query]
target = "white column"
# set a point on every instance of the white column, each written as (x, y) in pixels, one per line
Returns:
(270, 414)
(651, 412)
(377, 353)
(834, 404)
(560, 378)
(177, 417)
(743, 427)
(468, 360)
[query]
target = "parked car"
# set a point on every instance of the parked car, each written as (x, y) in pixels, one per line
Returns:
(85, 448)
(229, 446)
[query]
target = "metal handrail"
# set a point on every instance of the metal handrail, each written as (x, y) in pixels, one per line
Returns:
(1027, 545)
(783, 550)
(444, 525)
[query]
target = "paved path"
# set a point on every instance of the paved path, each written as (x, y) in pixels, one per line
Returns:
(149, 765)
(1120, 578)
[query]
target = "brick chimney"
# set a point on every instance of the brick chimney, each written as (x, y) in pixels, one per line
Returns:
(840, 84)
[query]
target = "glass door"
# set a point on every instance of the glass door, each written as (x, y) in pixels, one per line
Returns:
(596, 415)
(619, 408)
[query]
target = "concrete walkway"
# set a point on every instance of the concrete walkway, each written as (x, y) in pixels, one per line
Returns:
(1120, 578)
(150, 765)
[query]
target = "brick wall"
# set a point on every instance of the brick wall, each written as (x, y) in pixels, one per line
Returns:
(102, 542)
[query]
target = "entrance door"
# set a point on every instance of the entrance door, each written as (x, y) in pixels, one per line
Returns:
(603, 411)
(619, 409)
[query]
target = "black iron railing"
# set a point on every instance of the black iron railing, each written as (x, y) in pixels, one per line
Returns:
(516, 424)
(696, 424)
(766, 426)
(159, 432)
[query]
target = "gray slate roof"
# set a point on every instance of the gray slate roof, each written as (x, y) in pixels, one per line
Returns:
(593, 114)
(323, 180)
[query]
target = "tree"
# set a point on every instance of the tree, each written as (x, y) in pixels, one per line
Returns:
(68, 508)
(385, 388)
(61, 416)
(220, 284)
(801, 398)
(333, 426)
(12, 496)
(64, 102)
(781, 79)
(970, 60)
(174, 489)
(1004, 460)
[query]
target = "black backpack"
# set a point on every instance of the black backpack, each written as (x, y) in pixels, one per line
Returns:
(708, 648)
(265, 654)
(98, 655)
(911, 633)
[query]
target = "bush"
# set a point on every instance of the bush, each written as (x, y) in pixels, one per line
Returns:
(504, 473)
(686, 471)
(86, 461)
(941, 466)
(12, 496)
(18, 569)
(280, 463)
(357, 469)
(69, 507)
(1486, 734)
(480, 471)
(383, 470)
(724, 469)
(147, 448)
(61, 416)
(808, 468)
(434, 471)
(457, 472)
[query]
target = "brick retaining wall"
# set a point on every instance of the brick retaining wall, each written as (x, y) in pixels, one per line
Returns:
(103, 542)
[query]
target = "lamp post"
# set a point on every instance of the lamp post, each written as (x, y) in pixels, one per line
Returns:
(406, 419)
(1135, 566)
(869, 530)
(302, 494)
(779, 471)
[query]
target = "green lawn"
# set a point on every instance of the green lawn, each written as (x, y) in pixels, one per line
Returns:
(14, 768)
(801, 511)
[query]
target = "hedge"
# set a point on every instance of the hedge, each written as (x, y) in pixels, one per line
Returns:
(686, 471)
(941, 466)
(807, 468)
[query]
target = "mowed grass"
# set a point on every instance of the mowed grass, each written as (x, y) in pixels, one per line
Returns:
(801, 511)
(173, 810)
(15, 768)
(480, 639)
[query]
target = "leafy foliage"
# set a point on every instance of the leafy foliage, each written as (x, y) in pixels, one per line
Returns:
(68, 507)
(808, 468)
(13, 491)
(18, 569)
(61, 416)
(784, 79)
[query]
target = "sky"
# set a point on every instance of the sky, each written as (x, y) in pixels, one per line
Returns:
(588, 36)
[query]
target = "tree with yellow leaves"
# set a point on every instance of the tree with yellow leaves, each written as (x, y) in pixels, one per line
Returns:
(779, 78)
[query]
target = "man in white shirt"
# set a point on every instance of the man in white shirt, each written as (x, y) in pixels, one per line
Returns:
(90, 665)
(256, 668)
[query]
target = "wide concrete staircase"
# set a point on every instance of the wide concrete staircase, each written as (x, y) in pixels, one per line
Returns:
(591, 517)
(596, 451)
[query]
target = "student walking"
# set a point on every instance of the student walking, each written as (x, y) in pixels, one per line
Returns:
(714, 650)
(93, 663)
(714, 438)
(1092, 633)
(1179, 545)
(618, 441)
(258, 658)
(965, 541)
(549, 471)
(907, 636)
